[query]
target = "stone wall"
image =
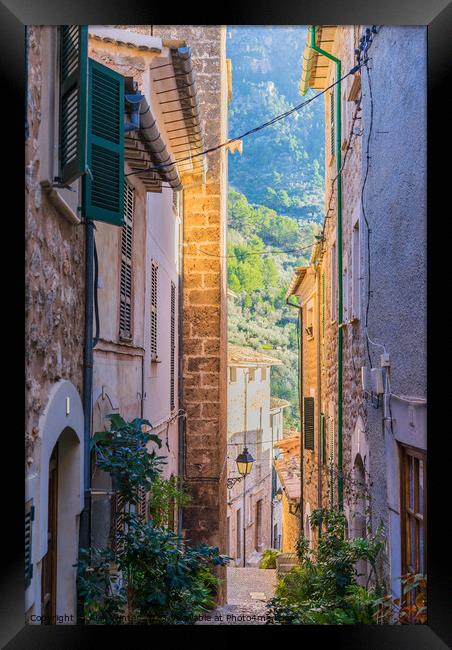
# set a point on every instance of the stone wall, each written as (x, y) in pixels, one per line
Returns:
(394, 212)
(54, 254)
(352, 403)
(204, 309)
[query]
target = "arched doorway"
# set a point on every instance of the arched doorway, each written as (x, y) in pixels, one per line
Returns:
(58, 574)
(54, 489)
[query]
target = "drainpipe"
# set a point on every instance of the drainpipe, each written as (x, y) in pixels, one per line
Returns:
(181, 420)
(85, 517)
(312, 31)
(319, 398)
(300, 400)
(245, 376)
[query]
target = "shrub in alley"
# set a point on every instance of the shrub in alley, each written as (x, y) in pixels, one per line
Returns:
(149, 575)
(268, 559)
(324, 590)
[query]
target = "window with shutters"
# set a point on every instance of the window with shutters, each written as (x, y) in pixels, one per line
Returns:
(232, 374)
(73, 68)
(308, 421)
(125, 297)
(173, 346)
(29, 518)
(103, 184)
(413, 509)
(263, 374)
(153, 315)
(251, 374)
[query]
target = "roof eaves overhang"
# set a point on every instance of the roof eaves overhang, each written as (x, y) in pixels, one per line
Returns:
(148, 140)
(170, 139)
(314, 73)
(296, 280)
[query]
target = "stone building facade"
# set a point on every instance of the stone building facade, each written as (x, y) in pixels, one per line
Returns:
(204, 296)
(182, 234)
(287, 466)
(54, 301)
(255, 421)
(383, 213)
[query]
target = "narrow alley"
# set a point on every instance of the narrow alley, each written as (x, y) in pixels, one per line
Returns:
(248, 591)
(226, 394)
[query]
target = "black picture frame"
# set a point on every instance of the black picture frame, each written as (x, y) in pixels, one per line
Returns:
(437, 16)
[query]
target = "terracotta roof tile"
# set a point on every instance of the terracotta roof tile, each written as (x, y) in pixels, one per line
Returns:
(238, 355)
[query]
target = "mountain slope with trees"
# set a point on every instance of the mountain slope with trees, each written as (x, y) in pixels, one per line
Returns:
(275, 202)
(286, 158)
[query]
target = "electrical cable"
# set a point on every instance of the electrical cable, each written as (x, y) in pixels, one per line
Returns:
(246, 255)
(270, 122)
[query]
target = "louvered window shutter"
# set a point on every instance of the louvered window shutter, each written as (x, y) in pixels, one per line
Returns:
(125, 302)
(103, 184)
(331, 439)
(73, 54)
(154, 285)
(29, 518)
(173, 345)
(331, 457)
(308, 416)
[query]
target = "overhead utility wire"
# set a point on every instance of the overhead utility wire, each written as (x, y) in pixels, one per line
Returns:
(277, 252)
(275, 119)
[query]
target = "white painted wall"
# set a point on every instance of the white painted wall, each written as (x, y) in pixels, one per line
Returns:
(258, 484)
(162, 245)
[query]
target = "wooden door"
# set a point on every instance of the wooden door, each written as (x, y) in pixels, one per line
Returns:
(49, 561)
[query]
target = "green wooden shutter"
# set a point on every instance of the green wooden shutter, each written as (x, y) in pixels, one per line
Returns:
(103, 184)
(29, 517)
(308, 413)
(73, 53)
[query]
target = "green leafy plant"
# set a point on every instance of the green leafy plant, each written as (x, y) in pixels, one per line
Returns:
(123, 452)
(411, 608)
(268, 559)
(151, 576)
(164, 496)
(323, 589)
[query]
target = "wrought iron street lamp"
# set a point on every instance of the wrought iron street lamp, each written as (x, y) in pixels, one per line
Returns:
(244, 463)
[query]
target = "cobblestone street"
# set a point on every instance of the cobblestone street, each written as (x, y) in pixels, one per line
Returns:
(248, 591)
